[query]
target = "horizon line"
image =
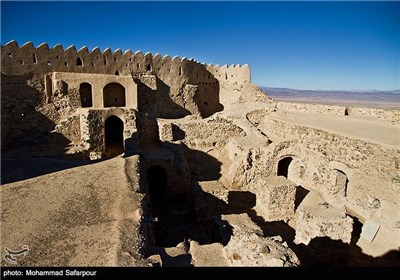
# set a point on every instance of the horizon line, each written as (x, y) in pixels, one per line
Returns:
(283, 87)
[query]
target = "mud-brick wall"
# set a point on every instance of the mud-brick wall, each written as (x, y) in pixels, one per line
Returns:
(70, 128)
(20, 121)
(92, 124)
(312, 108)
(176, 167)
(173, 75)
(214, 133)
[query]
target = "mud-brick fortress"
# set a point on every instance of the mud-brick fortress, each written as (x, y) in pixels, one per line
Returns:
(207, 132)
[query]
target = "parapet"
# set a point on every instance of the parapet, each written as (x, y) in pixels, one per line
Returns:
(26, 59)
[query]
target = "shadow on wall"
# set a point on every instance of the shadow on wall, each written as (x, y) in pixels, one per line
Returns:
(207, 99)
(28, 142)
(207, 96)
(210, 208)
(177, 133)
(146, 98)
(158, 103)
(30, 148)
(147, 129)
(166, 107)
(203, 167)
(323, 251)
(21, 124)
(301, 193)
(174, 208)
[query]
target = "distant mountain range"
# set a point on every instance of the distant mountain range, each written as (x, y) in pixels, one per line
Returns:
(375, 97)
(289, 91)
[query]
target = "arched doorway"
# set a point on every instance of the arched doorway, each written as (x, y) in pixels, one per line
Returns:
(85, 92)
(114, 139)
(158, 182)
(114, 95)
(283, 166)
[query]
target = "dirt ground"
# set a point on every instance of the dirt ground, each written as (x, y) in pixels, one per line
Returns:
(74, 217)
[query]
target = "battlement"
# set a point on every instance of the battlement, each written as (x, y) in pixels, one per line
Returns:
(239, 73)
(42, 59)
(208, 86)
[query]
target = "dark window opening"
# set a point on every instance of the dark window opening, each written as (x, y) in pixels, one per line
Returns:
(21, 62)
(105, 60)
(10, 55)
(117, 73)
(148, 68)
(79, 62)
(137, 65)
(114, 140)
(34, 58)
(205, 103)
(115, 59)
(114, 95)
(85, 92)
(180, 71)
(57, 57)
(283, 166)
(158, 183)
(66, 63)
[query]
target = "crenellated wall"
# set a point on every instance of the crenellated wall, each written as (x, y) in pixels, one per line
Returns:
(156, 86)
(181, 81)
(232, 73)
(42, 59)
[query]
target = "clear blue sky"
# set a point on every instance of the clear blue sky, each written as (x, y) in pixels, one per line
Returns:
(304, 45)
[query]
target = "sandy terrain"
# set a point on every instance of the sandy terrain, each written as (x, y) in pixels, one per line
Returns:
(366, 128)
